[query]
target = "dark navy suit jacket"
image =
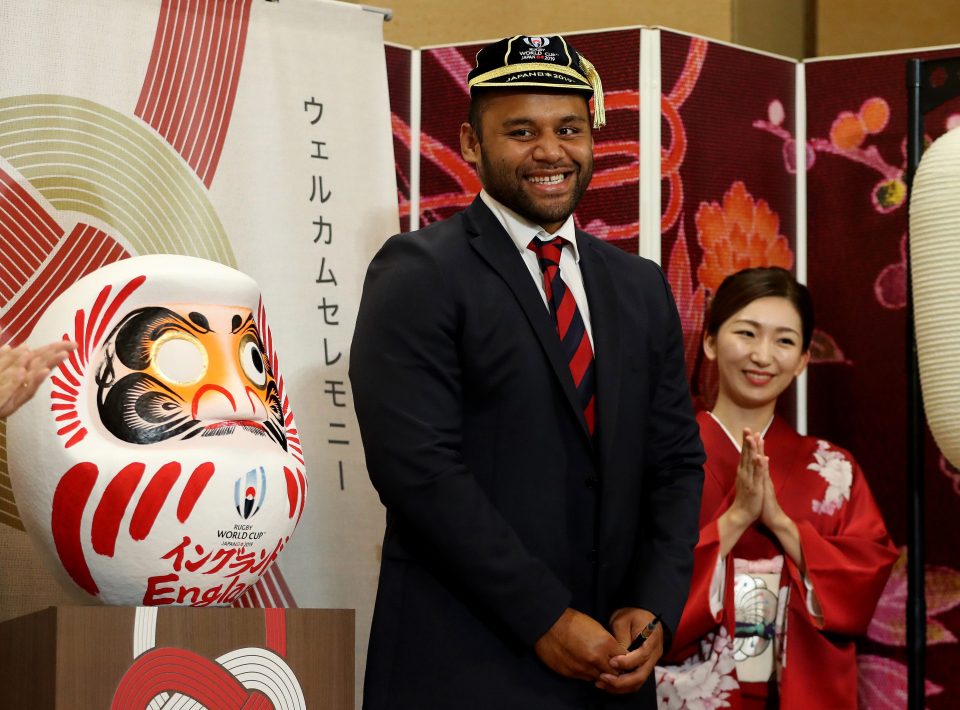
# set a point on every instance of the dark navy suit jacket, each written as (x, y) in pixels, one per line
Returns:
(501, 509)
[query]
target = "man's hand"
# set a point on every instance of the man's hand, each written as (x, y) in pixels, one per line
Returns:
(576, 646)
(22, 370)
(632, 669)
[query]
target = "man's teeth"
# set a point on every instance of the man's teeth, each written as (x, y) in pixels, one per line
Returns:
(549, 180)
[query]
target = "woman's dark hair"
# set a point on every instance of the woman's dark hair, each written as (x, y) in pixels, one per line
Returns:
(746, 286)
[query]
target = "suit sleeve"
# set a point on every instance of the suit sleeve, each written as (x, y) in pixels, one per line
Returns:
(672, 477)
(848, 568)
(710, 603)
(710, 595)
(406, 379)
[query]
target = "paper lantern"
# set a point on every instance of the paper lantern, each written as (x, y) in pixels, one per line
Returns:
(160, 464)
(935, 269)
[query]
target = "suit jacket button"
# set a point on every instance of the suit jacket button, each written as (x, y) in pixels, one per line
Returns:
(591, 481)
(592, 556)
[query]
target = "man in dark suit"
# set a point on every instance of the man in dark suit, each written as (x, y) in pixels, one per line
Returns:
(522, 400)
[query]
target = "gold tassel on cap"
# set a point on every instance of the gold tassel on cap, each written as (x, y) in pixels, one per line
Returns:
(591, 75)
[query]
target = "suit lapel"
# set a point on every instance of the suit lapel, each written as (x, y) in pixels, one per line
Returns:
(604, 323)
(494, 245)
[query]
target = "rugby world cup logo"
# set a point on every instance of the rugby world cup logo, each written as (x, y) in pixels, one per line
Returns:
(537, 42)
(248, 492)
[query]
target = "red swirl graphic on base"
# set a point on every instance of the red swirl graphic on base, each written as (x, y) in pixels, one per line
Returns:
(168, 670)
(174, 670)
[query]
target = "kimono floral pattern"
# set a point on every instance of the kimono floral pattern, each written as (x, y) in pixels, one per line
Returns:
(702, 682)
(834, 468)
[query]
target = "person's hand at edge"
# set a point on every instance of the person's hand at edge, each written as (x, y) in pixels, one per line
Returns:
(22, 370)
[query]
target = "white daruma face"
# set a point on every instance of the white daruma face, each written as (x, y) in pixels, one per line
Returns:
(160, 464)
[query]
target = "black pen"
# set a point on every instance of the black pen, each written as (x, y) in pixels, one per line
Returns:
(645, 634)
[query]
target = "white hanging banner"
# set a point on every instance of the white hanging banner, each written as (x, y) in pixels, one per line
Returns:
(256, 134)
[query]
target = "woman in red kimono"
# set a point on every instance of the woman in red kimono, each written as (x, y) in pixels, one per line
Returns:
(793, 552)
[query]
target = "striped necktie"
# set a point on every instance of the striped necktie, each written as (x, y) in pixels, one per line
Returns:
(570, 327)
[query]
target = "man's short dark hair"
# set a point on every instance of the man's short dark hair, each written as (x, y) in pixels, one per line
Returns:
(478, 102)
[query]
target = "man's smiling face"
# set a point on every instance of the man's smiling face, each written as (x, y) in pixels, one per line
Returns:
(534, 154)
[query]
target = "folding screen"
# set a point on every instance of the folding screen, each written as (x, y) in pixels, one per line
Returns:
(728, 176)
(399, 60)
(447, 183)
(856, 225)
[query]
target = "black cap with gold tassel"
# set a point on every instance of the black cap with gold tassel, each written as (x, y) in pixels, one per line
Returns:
(544, 62)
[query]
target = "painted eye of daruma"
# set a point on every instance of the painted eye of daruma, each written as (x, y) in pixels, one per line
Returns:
(251, 360)
(179, 358)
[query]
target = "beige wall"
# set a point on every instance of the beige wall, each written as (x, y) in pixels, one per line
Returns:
(417, 23)
(794, 28)
(781, 26)
(850, 26)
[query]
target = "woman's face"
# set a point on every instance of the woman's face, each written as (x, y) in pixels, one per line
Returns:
(758, 351)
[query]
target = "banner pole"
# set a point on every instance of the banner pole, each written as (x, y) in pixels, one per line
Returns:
(916, 601)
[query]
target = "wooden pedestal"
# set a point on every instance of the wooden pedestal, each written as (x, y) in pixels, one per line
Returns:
(80, 658)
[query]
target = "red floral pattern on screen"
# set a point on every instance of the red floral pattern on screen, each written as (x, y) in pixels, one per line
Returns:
(672, 155)
(737, 234)
(889, 623)
(890, 286)
(951, 472)
(883, 683)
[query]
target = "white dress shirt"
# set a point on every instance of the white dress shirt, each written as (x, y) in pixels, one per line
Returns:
(522, 231)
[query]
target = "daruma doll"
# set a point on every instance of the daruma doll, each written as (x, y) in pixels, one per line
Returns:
(159, 464)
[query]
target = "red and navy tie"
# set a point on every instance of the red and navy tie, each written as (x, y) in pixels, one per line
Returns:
(570, 327)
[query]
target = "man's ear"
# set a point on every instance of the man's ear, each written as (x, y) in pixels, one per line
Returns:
(469, 144)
